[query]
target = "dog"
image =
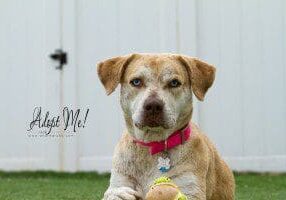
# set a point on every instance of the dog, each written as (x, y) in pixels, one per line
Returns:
(156, 99)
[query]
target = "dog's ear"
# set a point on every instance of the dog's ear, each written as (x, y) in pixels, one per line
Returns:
(110, 71)
(202, 75)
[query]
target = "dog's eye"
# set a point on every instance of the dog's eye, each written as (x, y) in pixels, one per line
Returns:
(136, 82)
(174, 83)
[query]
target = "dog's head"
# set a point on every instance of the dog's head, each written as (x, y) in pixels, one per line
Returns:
(156, 90)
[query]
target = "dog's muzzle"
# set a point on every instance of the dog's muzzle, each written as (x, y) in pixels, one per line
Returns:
(153, 113)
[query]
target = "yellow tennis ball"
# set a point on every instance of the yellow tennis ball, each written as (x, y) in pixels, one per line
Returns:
(164, 189)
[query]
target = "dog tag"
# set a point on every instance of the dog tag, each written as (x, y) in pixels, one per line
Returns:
(163, 164)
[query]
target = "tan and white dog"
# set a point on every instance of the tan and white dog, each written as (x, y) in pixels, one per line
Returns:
(156, 98)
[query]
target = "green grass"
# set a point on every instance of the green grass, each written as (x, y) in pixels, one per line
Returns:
(52, 186)
(87, 186)
(260, 187)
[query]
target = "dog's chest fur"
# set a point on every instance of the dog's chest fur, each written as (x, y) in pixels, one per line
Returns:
(136, 162)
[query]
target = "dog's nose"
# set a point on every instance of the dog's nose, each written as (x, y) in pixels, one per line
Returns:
(153, 112)
(153, 106)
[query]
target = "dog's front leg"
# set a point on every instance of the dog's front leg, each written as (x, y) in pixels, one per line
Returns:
(121, 188)
(191, 186)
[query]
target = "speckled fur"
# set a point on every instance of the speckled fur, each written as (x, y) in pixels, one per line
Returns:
(196, 166)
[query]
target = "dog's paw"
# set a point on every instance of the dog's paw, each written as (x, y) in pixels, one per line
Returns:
(122, 193)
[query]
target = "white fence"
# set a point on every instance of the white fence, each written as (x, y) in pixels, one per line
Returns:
(244, 113)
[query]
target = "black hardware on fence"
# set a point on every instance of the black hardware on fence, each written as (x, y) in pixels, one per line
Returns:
(60, 56)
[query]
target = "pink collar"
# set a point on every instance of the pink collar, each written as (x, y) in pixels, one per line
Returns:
(177, 138)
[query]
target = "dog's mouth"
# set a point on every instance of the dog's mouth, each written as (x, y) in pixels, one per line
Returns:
(153, 127)
(153, 123)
